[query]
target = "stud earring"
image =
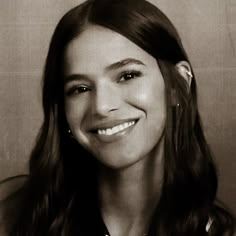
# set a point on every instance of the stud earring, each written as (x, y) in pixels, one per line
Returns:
(70, 133)
(174, 98)
(189, 74)
(176, 116)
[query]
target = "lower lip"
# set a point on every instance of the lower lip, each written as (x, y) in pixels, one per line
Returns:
(115, 137)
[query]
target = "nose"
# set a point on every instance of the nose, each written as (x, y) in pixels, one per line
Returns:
(107, 98)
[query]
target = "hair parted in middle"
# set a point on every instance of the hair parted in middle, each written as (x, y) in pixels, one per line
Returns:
(59, 165)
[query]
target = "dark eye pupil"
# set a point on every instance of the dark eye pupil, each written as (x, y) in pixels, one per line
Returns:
(83, 89)
(129, 76)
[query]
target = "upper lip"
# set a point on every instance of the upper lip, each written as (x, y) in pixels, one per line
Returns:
(110, 124)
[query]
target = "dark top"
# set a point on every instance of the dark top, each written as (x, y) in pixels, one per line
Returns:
(10, 198)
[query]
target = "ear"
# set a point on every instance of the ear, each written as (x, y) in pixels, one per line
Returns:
(184, 69)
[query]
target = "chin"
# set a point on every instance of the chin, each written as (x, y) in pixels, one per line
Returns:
(118, 161)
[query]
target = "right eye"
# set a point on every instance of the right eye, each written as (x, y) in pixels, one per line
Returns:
(77, 90)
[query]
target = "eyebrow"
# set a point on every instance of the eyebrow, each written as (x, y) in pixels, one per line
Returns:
(113, 66)
(122, 63)
(74, 77)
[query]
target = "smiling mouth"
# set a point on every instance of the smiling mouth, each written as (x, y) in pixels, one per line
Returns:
(120, 128)
(116, 129)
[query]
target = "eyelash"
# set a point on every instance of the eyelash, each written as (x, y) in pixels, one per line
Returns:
(77, 90)
(123, 77)
(132, 75)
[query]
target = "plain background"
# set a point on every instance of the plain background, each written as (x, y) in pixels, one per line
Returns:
(208, 31)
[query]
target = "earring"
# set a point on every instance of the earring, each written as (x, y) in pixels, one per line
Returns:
(189, 74)
(174, 98)
(176, 116)
(70, 133)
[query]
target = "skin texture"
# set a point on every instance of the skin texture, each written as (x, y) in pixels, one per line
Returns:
(111, 96)
(99, 94)
(110, 80)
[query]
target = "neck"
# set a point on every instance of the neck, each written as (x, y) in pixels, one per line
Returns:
(129, 196)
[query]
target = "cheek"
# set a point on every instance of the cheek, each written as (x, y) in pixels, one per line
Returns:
(74, 113)
(149, 96)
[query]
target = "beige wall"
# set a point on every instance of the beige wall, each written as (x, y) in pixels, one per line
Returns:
(208, 30)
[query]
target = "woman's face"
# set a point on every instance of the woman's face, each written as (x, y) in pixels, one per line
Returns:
(114, 97)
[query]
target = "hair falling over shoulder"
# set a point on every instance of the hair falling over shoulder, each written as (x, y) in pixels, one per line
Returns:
(59, 197)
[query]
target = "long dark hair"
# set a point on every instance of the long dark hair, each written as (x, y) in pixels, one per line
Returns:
(60, 193)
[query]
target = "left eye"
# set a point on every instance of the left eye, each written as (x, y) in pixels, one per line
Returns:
(129, 75)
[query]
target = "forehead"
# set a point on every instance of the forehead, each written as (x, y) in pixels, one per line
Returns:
(97, 47)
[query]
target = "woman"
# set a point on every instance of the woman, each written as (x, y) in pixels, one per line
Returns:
(121, 150)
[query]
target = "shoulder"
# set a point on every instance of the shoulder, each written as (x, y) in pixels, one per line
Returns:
(10, 194)
(11, 185)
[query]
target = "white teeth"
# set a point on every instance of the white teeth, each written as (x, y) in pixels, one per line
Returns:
(99, 131)
(109, 131)
(115, 129)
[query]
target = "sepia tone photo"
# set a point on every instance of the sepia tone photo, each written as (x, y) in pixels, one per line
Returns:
(117, 118)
